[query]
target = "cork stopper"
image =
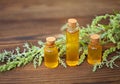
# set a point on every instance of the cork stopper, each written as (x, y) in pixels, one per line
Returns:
(50, 40)
(72, 22)
(95, 38)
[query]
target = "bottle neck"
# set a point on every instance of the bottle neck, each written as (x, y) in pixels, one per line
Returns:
(96, 42)
(72, 29)
(94, 39)
(50, 45)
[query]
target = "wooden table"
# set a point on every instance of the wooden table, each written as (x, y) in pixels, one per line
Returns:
(33, 20)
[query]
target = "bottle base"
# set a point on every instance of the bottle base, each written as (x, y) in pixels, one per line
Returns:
(94, 62)
(72, 63)
(51, 65)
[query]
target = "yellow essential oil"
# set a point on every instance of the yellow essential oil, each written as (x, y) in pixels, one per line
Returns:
(72, 43)
(50, 53)
(94, 50)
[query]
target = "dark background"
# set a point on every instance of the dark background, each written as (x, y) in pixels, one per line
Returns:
(22, 20)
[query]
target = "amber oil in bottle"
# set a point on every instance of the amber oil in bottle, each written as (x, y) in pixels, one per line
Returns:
(94, 50)
(50, 53)
(72, 43)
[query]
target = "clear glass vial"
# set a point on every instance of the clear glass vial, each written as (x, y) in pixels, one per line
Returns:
(50, 53)
(94, 50)
(72, 43)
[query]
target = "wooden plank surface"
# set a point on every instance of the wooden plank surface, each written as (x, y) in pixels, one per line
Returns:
(33, 20)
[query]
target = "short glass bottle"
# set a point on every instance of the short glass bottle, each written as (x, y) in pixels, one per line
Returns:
(72, 43)
(94, 50)
(50, 53)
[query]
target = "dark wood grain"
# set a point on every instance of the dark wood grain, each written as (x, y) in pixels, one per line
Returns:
(33, 20)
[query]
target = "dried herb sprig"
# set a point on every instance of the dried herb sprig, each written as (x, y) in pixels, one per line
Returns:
(20, 59)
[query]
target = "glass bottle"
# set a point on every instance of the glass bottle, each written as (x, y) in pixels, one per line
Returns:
(72, 43)
(94, 50)
(50, 53)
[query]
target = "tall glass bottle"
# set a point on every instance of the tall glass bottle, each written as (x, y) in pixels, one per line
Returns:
(50, 53)
(94, 50)
(72, 43)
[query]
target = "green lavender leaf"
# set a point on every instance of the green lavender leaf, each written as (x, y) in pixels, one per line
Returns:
(82, 57)
(62, 62)
(40, 60)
